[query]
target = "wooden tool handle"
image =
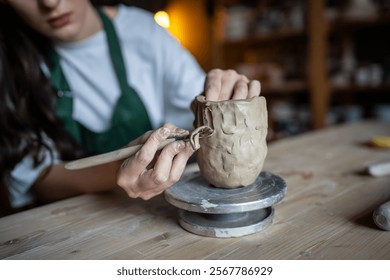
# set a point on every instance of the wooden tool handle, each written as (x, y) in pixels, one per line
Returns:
(111, 156)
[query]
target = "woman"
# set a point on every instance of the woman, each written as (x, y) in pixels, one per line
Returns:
(77, 80)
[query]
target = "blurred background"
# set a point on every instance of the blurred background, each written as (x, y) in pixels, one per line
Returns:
(320, 62)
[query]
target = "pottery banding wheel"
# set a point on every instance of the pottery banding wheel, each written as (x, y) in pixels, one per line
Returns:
(217, 212)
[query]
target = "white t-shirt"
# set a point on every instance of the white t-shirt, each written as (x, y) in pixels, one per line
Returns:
(165, 76)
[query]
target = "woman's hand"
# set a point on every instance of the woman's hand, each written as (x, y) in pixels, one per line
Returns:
(149, 172)
(228, 84)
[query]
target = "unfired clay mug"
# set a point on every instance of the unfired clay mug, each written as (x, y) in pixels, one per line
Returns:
(233, 156)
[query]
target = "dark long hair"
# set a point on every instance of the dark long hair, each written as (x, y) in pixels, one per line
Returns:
(27, 97)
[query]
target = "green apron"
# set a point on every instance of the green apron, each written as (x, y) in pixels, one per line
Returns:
(129, 119)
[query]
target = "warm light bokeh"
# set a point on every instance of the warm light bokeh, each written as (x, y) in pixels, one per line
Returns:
(190, 24)
(162, 19)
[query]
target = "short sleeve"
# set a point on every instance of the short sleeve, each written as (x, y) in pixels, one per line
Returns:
(24, 175)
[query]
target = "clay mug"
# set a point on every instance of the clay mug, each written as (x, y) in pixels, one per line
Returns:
(233, 156)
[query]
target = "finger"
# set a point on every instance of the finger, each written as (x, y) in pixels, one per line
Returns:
(177, 168)
(162, 168)
(240, 90)
(245, 78)
(229, 80)
(180, 162)
(176, 131)
(135, 178)
(213, 85)
(254, 89)
(156, 179)
(146, 154)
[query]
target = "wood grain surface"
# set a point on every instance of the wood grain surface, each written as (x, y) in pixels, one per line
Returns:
(326, 214)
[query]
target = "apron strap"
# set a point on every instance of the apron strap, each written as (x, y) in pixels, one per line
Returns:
(115, 51)
(64, 107)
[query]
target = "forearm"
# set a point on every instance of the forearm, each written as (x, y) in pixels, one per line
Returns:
(56, 182)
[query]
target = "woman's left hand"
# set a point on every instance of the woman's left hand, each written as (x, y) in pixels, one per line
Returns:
(228, 84)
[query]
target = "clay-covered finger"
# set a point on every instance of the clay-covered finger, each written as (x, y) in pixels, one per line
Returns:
(172, 176)
(213, 85)
(157, 179)
(229, 81)
(254, 88)
(180, 162)
(240, 90)
(162, 168)
(148, 151)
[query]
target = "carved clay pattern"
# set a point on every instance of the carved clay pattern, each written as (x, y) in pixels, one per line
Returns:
(234, 154)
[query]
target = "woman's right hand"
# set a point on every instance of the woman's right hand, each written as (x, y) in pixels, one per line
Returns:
(149, 172)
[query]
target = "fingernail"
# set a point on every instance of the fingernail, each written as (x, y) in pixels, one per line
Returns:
(179, 132)
(179, 146)
(164, 132)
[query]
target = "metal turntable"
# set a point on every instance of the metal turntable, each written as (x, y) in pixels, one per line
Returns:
(215, 212)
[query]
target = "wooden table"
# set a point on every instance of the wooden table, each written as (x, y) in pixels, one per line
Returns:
(326, 214)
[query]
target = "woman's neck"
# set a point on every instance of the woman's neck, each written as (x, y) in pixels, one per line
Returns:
(111, 11)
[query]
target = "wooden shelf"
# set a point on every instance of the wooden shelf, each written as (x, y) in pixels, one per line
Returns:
(354, 25)
(270, 37)
(289, 87)
(308, 51)
(360, 89)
